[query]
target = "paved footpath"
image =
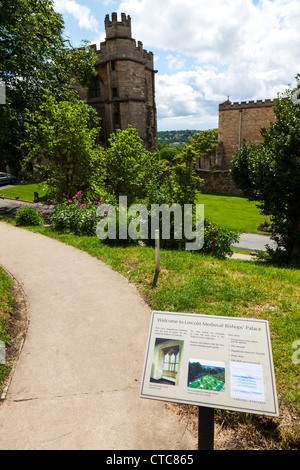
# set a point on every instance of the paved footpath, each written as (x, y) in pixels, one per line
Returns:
(76, 383)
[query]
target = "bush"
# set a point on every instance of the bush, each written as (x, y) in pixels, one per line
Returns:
(218, 240)
(28, 216)
(76, 216)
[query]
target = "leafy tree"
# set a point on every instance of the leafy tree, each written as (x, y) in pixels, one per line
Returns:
(167, 153)
(270, 173)
(61, 143)
(35, 57)
(205, 142)
(184, 182)
(128, 167)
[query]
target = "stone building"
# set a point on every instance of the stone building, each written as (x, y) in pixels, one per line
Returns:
(239, 123)
(123, 92)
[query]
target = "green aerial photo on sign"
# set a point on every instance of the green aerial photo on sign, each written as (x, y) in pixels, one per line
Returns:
(205, 376)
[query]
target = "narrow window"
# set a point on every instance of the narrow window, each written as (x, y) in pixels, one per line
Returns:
(94, 88)
(117, 119)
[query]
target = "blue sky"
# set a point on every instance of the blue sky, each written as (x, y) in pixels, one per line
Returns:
(204, 50)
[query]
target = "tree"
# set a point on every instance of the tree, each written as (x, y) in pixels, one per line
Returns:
(205, 142)
(35, 57)
(184, 181)
(61, 144)
(270, 173)
(128, 167)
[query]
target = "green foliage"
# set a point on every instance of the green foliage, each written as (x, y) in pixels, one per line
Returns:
(270, 173)
(205, 142)
(167, 153)
(175, 138)
(6, 310)
(61, 143)
(128, 168)
(184, 181)
(35, 57)
(171, 143)
(218, 240)
(28, 216)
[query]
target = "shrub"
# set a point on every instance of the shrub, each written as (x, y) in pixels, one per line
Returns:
(218, 240)
(76, 216)
(28, 216)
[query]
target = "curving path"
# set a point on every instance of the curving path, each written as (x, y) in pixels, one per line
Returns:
(76, 383)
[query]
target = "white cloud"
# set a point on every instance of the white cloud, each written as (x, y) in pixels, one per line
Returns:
(86, 20)
(245, 49)
(206, 50)
(175, 62)
(222, 30)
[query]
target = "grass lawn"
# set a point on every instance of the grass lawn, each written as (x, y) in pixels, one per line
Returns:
(6, 310)
(233, 212)
(25, 192)
(208, 383)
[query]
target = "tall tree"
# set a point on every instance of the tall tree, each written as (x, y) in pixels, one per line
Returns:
(35, 57)
(270, 173)
(62, 144)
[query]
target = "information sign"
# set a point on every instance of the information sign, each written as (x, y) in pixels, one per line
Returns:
(210, 361)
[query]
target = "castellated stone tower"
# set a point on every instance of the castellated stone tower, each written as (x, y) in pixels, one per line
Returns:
(124, 90)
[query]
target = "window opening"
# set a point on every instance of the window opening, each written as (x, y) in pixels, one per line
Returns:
(94, 88)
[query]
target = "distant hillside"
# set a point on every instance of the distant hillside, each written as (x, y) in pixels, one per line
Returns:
(172, 138)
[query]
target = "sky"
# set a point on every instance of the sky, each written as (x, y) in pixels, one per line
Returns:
(204, 50)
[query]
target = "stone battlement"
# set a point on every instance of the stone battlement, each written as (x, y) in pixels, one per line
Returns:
(118, 29)
(228, 105)
(124, 47)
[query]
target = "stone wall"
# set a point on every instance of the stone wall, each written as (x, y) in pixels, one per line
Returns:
(218, 182)
(241, 123)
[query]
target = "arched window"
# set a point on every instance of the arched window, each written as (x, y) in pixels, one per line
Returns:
(166, 362)
(171, 361)
(94, 88)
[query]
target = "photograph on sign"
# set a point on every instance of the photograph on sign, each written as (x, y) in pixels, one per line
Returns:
(204, 360)
(166, 361)
(206, 375)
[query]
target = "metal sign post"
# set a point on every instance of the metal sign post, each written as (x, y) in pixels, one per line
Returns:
(157, 256)
(157, 259)
(206, 426)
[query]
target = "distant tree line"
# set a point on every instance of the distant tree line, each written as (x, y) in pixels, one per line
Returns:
(173, 138)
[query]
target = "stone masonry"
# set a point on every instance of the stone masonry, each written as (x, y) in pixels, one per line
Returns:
(123, 92)
(240, 123)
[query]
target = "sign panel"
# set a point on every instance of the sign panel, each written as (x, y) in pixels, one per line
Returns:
(210, 361)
